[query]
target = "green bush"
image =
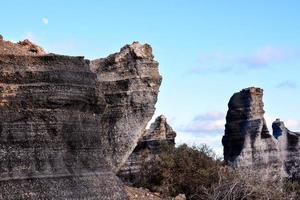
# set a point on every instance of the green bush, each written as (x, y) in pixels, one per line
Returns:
(196, 172)
(181, 170)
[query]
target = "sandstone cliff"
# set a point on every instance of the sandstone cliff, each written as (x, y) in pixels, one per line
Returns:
(150, 145)
(248, 143)
(68, 124)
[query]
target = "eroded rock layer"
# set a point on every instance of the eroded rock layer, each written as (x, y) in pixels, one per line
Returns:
(128, 83)
(24, 47)
(66, 125)
(289, 145)
(247, 139)
(148, 147)
(247, 142)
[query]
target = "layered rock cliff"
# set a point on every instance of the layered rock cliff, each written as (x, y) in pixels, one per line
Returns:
(148, 147)
(67, 124)
(127, 83)
(248, 143)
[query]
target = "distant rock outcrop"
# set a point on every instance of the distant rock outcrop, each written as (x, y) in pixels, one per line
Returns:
(150, 145)
(24, 47)
(247, 142)
(289, 145)
(68, 124)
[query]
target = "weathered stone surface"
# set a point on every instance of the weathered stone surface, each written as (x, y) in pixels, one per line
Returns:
(128, 82)
(67, 124)
(247, 142)
(24, 47)
(289, 145)
(150, 145)
(160, 130)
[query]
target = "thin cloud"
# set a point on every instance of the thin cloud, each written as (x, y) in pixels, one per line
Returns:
(30, 36)
(205, 123)
(287, 84)
(192, 139)
(209, 116)
(63, 47)
(291, 124)
(267, 56)
(220, 62)
(45, 20)
(208, 128)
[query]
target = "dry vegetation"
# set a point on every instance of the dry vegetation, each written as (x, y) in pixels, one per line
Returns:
(195, 172)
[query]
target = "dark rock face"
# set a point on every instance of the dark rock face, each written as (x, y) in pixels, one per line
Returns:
(148, 147)
(247, 139)
(289, 145)
(66, 125)
(247, 142)
(128, 83)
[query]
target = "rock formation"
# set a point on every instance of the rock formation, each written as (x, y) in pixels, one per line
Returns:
(289, 145)
(68, 124)
(247, 139)
(24, 47)
(248, 143)
(149, 145)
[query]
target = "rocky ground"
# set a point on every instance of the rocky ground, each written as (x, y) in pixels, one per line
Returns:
(142, 193)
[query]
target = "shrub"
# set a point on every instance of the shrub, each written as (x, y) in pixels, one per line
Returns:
(292, 187)
(196, 172)
(246, 184)
(181, 170)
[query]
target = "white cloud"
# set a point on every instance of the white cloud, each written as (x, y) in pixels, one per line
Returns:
(287, 84)
(211, 140)
(45, 20)
(206, 128)
(206, 122)
(220, 62)
(266, 56)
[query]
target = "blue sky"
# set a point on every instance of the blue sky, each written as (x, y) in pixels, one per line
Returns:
(207, 50)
